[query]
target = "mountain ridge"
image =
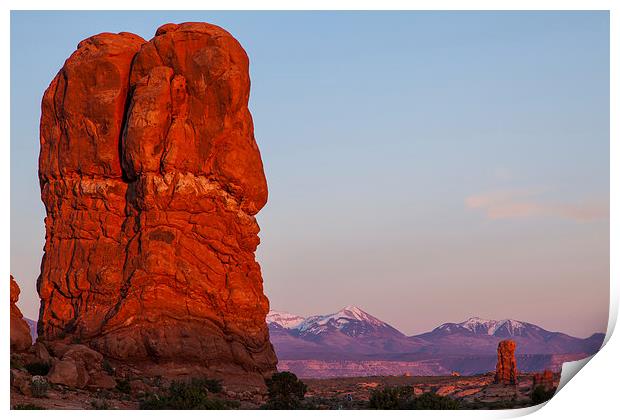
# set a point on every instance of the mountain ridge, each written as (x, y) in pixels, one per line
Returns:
(469, 346)
(474, 324)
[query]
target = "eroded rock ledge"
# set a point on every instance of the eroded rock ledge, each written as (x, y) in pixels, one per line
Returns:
(151, 178)
(20, 331)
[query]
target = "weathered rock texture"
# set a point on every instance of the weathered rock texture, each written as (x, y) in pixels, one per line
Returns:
(544, 379)
(20, 332)
(506, 371)
(151, 179)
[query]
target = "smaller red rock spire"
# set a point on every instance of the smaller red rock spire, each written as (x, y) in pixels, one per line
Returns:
(506, 370)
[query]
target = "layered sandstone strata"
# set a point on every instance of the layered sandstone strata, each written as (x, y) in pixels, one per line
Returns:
(151, 178)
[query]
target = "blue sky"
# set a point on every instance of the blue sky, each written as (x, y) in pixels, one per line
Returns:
(425, 166)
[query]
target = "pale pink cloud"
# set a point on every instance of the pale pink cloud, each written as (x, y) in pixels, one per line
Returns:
(514, 204)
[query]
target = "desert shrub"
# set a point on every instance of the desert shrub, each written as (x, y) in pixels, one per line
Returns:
(104, 394)
(390, 398)
(191, 395)
(124, 386)
(285, 392)
(39, 386)
(16, 363)
(540, 394)
(100, 404)
(211, 385)
(402, 398)
(27, 407)
(38, 368)
(492, 405)
(431, 401)
(107, 367)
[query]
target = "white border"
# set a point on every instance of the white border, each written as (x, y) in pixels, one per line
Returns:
(593, 395)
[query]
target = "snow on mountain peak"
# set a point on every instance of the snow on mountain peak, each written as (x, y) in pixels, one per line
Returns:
(353, 312)
(339, 319)
(503, 328)
(284, 319)
(490, 326)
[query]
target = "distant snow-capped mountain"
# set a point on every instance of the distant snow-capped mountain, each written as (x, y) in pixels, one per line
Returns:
(468, 346)
(350, 320)
(350, 330)
(503, 328)
(480, 336)
(284, 319)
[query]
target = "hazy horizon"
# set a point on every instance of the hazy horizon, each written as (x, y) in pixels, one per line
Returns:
(425, 166)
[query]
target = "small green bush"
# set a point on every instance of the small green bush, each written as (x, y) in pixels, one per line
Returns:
(540, 394)
(212, 385)
(403, 398)
(492, 405)
(100, 404)
(191, 395)
(38, 368)
(157, 381)
(27, 407)
(107, 367)
(124, 386)
(285, 392)
(431, 401)
(16, 363)
(390, 398)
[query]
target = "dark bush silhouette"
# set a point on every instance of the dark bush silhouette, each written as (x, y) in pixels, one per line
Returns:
(402, 398)
(123, 385)
(212, 385)
(390, 398)
(286, 392)
(107, 367)
(192, 395)
(431, 401)
(540, 394)
(38, 368)
(27, 407)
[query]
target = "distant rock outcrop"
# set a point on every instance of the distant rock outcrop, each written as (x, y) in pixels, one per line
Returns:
(151, 179)
(544, 379)
(20, 332)
(506, 370)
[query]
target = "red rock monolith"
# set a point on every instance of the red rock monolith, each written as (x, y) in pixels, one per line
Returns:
(151, 178)
(506, 370)
(20, 332)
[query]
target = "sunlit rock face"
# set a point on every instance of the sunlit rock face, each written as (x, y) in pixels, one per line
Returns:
(20, 331)
(151, 178)
(506, 370)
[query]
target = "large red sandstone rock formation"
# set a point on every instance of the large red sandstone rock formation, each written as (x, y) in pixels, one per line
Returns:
(506, 370)
(151, 179)
(20, 332)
